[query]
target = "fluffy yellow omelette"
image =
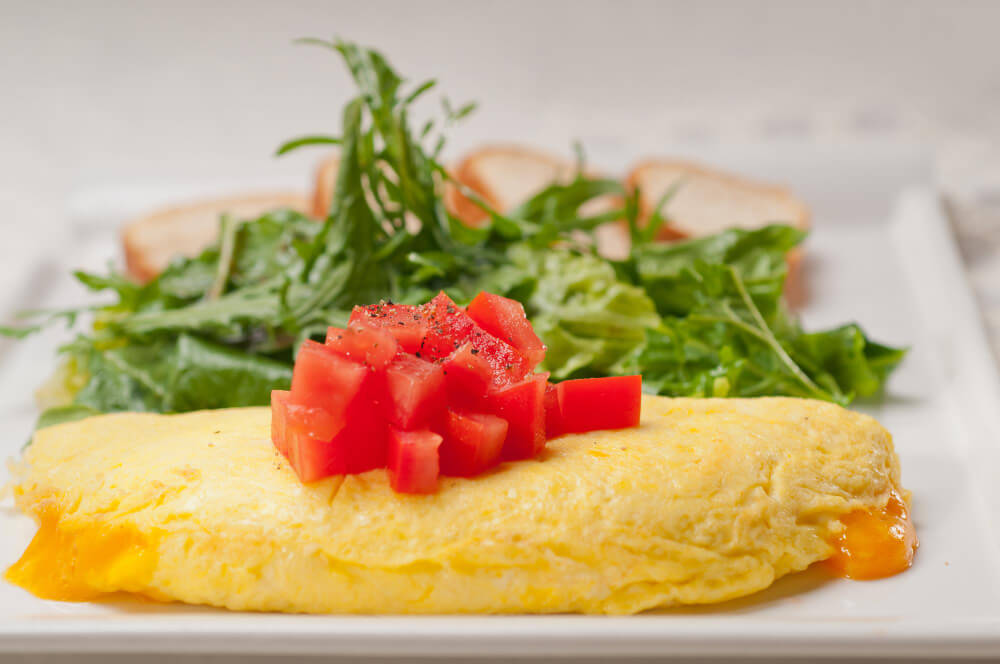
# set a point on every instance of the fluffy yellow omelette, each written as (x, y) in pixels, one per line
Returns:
(707, 500)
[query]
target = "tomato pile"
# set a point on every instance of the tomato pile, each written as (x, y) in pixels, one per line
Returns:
(431, 390)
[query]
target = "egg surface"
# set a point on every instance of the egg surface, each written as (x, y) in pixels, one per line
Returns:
(707, 500)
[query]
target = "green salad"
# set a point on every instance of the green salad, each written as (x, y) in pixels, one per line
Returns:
(699, 318)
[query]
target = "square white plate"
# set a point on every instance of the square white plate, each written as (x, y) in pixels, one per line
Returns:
(881, 254)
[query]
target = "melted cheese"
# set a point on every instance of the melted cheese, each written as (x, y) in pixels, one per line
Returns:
(81, 564)
(875, 543)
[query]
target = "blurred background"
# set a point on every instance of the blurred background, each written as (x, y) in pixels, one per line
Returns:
(100, 95)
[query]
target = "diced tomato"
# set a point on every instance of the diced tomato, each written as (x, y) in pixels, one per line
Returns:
(505, 319)
(316, 422)
(553, 418)
(323, 379)
(313, 459)
(523, 406)
(468, 376)
(318, 445)
(416, 392)
(450, 328)
(472, 443)
(590, 404)
(428, 390)
(405, 322)
(413, 460)
(300, 434)
(371, 346)
(279, 419)
(333, 421)
(364, 435)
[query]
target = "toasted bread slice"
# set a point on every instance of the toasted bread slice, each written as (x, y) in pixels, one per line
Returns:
(504, 176)
(708, 201)
(152, 241)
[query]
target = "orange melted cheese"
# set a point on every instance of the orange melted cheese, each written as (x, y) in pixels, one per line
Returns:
(874, 545)
(79, 565)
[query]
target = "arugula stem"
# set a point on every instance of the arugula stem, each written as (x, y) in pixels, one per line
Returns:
(773, 344)
(227, 249)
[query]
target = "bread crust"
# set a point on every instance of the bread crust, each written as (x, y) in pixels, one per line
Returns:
(467, 174)
(152, 240)
(672, 230)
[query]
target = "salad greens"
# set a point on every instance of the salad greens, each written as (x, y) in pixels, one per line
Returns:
(698, 318)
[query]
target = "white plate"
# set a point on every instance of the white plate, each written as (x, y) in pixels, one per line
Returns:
(881, 254)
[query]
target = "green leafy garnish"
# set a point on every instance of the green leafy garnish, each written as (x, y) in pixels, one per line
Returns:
(697, 318)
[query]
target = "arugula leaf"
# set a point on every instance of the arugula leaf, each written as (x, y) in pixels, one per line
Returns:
(726, 332)
(207, 375)
(856, 365)
(758, 257)
(129, 378)
(62, 414)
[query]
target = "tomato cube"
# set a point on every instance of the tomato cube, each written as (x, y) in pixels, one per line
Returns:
(472, 443)
(316, 422)
(413, 460)
(450, 328)
(467, 376)
(415, 392)
(405, 322)
(364, 436)
(505, 319)
(523, 406)
(590, 404)
(310, 456)
(323, 379)
(313, 459)
(371, 346)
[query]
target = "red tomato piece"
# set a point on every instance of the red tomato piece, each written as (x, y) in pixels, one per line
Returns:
(371, 346)
(590, 404)
(323, 379)
(405, 322)
(316, 422)
(413, 460)
(472, 443)
(364, 436)
(313, 459)
(416, 392)
(450, 328)
(523, 406)
(505, 319)
(467, 376)
(553, 418)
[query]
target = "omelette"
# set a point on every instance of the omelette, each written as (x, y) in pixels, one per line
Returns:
(707, 500)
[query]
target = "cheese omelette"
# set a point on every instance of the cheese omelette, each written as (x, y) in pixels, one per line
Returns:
(708, 500)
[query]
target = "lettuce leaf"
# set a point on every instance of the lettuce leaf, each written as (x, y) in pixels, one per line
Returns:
(590, 320)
